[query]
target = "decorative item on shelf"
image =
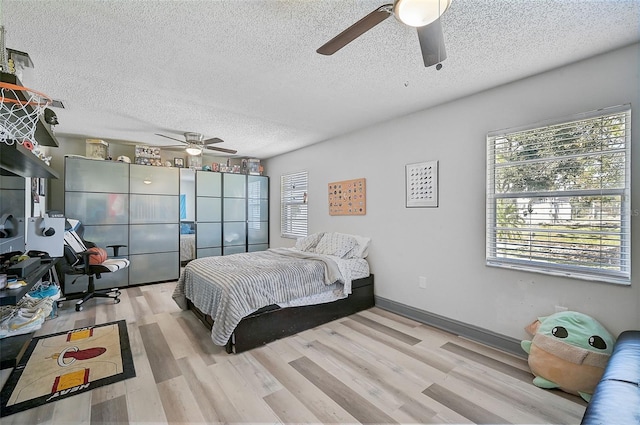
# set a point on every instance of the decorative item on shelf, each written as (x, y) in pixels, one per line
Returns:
(254, 167)
(194, 162)
(97, 149)
(148, 155)
(215, 166)
(178, 162)
(348, 197)
(422, 184)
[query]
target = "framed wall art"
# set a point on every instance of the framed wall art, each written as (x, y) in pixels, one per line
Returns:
(348, 197)
(422, 184)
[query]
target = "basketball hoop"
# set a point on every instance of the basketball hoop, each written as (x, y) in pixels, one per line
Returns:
(20, 109)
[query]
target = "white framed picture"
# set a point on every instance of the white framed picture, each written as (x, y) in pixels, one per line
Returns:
(422, 184)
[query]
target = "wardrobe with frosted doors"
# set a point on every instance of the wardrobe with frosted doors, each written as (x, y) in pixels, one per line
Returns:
(126, 204)
(231, 213)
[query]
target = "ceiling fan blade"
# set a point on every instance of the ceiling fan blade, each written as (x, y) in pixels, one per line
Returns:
(214, 148)
(356, 30)
(169, 137)
(432, 43)
(212, 141)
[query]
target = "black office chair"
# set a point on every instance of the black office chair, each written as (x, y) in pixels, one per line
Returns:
(84, 258)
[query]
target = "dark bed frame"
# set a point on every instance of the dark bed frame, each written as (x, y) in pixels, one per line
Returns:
(272, 322)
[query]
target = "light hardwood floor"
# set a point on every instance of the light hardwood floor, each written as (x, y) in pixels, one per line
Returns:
(372, 367)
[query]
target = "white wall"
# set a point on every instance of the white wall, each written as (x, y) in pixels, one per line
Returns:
(447, 244)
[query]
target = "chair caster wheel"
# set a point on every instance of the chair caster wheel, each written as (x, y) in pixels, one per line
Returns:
(79, 307)
(118, 293)
(59, 304)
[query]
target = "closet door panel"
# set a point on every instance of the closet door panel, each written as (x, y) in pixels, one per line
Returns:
(208, 184)
(234, 234)
(257, 187)
(209, 252)
(97, 208)
(146, 268)
(155, 209)
(109, 235)
(234, 185)
(150, 238)
(235, 209)
(82, 175)
(209, 235)
(157, 180)
(258, 232)
(209, 209)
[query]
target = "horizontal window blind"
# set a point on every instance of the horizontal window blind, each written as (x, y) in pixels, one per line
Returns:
(558, 197)
(293, 205)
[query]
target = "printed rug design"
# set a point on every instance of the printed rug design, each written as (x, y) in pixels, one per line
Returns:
(68, 363)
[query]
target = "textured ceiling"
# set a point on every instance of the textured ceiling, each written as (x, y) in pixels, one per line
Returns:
(247, 71)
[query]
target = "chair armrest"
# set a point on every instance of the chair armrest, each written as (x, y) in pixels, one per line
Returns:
(116, 249)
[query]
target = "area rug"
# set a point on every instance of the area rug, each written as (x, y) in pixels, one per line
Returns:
(68, 363)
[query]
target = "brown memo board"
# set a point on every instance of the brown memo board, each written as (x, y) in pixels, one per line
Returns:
(348, 197)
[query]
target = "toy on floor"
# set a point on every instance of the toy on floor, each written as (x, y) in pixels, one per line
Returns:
(569, 351)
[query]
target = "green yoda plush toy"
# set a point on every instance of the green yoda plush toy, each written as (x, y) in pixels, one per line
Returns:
(569, 351)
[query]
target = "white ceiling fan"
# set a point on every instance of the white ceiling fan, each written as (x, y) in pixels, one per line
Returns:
(424, 15)
(195, 144)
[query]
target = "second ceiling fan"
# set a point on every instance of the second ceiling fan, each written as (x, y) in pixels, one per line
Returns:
(424, 15)
(195, 143)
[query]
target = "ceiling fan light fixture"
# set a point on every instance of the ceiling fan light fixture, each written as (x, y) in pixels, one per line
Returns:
(193, 149)
(418, 13)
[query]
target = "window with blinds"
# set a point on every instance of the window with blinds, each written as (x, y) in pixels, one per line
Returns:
(558, 197)
(293, 205)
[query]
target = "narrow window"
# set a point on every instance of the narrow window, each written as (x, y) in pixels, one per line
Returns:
(293, 205)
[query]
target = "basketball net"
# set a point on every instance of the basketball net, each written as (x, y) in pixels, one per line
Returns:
(20, 107)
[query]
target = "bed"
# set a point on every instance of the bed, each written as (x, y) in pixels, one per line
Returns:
(250, 299)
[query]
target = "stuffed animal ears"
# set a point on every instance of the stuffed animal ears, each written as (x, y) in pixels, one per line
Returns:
(532, 327)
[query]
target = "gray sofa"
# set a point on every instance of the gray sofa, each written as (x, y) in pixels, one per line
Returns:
(616, 399)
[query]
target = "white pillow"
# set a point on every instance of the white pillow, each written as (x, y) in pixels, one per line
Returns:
(361, 250)
(337, 244)
(308, 243)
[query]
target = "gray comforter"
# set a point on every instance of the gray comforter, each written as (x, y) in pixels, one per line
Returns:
(229, 288)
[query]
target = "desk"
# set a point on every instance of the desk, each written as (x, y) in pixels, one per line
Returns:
(11, 348)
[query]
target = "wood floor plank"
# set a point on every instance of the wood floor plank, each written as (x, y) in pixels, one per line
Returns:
(203, 394)
(111, 411)
(108, 392)
(178, 402)
(442, 364)
(396, 369)
(289, 409)
(250, 406)
(348, 399)
(318, 403)
(158, 352)
(179, 342)
(144, 405)
(400, 336)
(73, 410)
(260, 380)
(476, 357)
(200, 337)
(463, 406)
(520, 396)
